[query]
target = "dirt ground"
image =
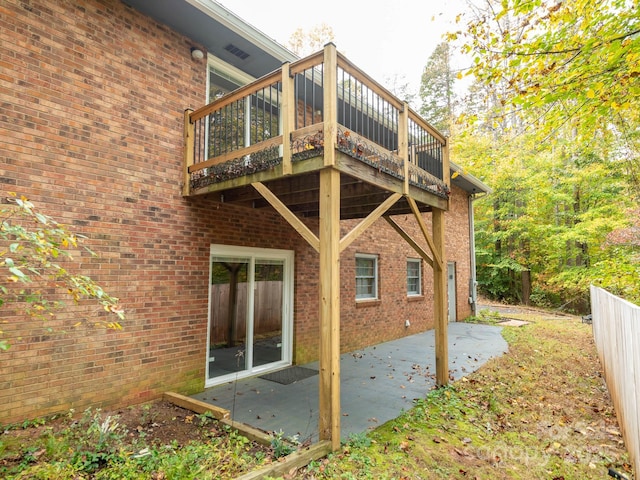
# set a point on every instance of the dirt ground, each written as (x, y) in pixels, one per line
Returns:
(155, 423)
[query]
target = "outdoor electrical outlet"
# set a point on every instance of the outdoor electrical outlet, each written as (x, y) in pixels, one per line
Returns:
(407, 323)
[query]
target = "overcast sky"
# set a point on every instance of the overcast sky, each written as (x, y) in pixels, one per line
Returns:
(382, 37)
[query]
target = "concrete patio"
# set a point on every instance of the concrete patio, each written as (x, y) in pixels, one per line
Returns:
(377, 383)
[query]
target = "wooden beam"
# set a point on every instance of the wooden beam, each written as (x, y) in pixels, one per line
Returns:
(403, 144)
(288, 215)
(252, 433)
(446, 175)
(288, 117)
(330, 103)
(196, 405)
(189, 151)
(270, 79)
(302, 132)
(409, 240)
(362, 171)
(290, 463)
(440, 300)
(306, 63)
(368, 221)
(416, 213)
(329, 401)
(256, 147)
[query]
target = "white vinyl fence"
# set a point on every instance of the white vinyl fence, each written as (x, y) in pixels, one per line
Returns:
(616, 330)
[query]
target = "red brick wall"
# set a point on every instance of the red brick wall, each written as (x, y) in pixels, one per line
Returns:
(91, 105)
(92, 96)
(457, 249)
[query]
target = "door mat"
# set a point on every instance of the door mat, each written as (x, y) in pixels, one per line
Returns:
(289, 375)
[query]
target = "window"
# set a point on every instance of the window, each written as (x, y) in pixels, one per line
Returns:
(366, 277)
(414, 277)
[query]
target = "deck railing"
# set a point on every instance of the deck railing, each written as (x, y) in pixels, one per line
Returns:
(307, 109)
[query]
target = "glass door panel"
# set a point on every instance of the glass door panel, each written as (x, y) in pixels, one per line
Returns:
(268, 311)
(229, 307)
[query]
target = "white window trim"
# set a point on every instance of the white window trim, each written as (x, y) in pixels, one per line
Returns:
(419, 292)
(227, 70)
(375, 277)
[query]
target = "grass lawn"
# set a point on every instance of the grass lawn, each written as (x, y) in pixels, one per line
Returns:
(540, 411)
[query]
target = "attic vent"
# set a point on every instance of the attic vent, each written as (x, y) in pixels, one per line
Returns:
(241, 54)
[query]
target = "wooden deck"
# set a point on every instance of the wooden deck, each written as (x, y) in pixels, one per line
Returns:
(316, 113)
(319, 138)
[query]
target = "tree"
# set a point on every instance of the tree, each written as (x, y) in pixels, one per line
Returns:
(570, 67)
(554, 128)
(437, 89)
(305, 43)
(33, 251)
(401, 88)
(555, 219)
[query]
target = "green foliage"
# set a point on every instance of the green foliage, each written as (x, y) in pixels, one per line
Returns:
(99, 446)
(436, 89)
(552, 125)
(282, 446)
(560, 68)
(550, 219)
(486, 316)
(95, 441)
(35, 251)
(359, 440)
(579, 59)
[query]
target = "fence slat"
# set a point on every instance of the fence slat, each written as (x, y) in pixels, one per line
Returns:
(616, 331)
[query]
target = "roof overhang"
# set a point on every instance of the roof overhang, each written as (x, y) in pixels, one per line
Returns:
(213, 26)
(467, 182)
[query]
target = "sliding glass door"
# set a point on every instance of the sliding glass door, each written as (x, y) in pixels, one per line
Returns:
(250, 312)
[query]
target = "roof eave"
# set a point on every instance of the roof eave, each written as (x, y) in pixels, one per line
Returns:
(475, 185)
(233, 22)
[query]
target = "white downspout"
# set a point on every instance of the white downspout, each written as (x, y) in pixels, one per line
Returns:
(473, 283)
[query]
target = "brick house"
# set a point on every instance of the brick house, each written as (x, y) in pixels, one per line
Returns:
(94, 131)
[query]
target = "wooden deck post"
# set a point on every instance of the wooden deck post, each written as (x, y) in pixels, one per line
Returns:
(189, 150)
(446, 176)
(288, 118)
(330, 102)
(329, 401)
(403, 144)
(440, 299)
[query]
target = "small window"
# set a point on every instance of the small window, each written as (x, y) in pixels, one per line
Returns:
(414, 277)
(366, 277)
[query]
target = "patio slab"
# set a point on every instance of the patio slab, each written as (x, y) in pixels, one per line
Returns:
(377, 383)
